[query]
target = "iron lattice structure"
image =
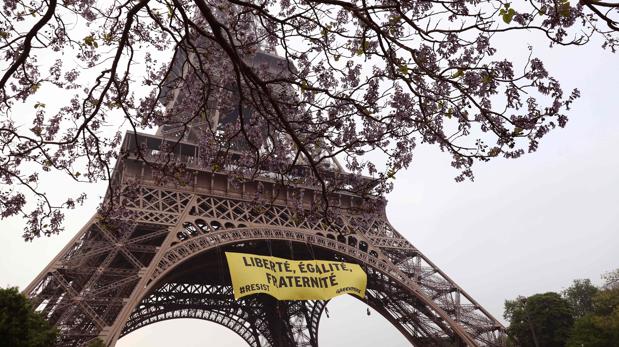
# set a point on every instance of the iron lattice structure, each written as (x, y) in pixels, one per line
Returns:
(163, 257)
(165, 261)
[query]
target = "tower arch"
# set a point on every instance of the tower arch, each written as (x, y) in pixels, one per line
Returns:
(92, 288)
(390, 292)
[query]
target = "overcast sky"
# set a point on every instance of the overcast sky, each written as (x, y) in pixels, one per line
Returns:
(523, 227)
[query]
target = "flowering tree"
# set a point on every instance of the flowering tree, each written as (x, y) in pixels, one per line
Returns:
(283, 86)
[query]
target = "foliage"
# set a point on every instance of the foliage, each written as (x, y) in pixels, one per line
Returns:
(20, 326)
(548, 318)
(354, 78)
(539, 320)
(600, 327)
(596, 331)
(96, 343)
(606, 301)
(580, 297)
(611, 280)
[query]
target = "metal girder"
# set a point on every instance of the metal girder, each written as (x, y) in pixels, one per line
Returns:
(115, 278)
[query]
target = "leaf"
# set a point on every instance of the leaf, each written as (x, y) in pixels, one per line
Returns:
(304, 86)
(364, 46)
(542, 10)
(564, 8)
(517, 131)
(507, 14)
(114, 104)
(403, 69)
(326, 29)
(494, 151)
(39, 104)
(458, 73)
(108, 37)
(450, 111)
(90, 41)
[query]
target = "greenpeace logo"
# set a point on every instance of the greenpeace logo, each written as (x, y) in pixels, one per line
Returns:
(348, 289)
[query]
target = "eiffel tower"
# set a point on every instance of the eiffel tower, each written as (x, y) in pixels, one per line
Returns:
(167, 262)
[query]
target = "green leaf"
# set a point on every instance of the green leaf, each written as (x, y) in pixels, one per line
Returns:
(518, 131)
(304, 86)
(394, 20)
(542, 11)
(564, 8)
(450, 111)
(364, 46)
(90, 41)
(108, 37)
(403, 69)
(507, 14)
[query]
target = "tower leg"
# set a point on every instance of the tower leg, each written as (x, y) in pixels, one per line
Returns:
(118, 276)
(85, 287)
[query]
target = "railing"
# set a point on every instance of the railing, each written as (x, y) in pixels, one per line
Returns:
(160, 150)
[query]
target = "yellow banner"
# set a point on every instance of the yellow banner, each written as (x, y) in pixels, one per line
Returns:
(294, 279)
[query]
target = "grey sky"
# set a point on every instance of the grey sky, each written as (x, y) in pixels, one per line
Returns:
(524, 226)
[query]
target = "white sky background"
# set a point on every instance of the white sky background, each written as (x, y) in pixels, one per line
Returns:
(523, 227)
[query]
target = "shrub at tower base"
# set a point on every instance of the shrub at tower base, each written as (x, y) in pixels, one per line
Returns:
(20, 326)
(581, 315)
